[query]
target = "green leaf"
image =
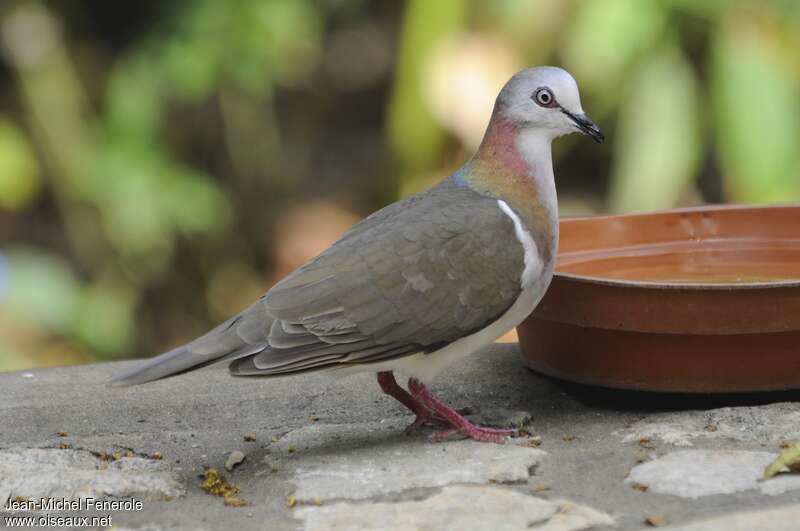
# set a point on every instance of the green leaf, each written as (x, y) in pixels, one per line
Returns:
(658, 142)
(757, 103)
(605, 36)
(42, 290)
(134, 101)
(131, 194)
(105, 320)
(283, 36)
(195, 203)
(710, 9)
(414, 133)
(193, 55)
(19, 170)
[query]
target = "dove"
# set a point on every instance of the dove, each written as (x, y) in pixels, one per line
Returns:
(423, 282)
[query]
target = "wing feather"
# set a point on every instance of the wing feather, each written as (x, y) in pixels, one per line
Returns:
(410, 278)
(418, 274)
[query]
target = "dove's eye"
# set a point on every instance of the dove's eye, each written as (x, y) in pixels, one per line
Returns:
(544, 97)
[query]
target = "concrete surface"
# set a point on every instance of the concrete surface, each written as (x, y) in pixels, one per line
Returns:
(777, 519)
(390, 467)
(68, 473)
(458, 507)
(711, 472)
(328, 451)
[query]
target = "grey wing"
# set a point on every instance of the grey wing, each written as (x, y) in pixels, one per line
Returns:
(410, 278)
(241, 335)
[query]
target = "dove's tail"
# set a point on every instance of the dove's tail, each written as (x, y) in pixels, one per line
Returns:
(241, 335)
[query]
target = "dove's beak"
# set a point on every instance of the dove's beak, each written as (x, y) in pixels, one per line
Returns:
(586, 126)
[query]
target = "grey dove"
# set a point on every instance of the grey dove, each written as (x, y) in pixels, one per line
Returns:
(423, 282)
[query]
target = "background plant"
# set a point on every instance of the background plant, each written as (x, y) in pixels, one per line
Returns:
(162, 163)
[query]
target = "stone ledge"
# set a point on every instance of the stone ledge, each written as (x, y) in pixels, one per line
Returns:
(311, 440)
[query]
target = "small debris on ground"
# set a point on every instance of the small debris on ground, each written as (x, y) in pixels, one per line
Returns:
(250, 436)
(62, 434)
(501, 418)
(216, 484)
(541, 487)
(117, 454)
(313, 418)
(656, 521)
(291, 449)
(711, 427)
(568, 437)
(641, 487)
(787, 461)
(235, 458)
(64, 446)
(647, 443)
(158, 456)
(533, 442)
(291, 501)
(271, 463)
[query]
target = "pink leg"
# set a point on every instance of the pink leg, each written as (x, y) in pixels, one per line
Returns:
(424, 416)
(458, 422)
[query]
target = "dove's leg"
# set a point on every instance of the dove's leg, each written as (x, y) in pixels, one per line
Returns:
(424, 416)
(454, 418)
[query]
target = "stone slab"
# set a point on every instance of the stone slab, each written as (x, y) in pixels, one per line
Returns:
(697, 473)
(776, 519)
(363, 469)
(769, 424)
(458, 508)
(35, 473)
(197, 419)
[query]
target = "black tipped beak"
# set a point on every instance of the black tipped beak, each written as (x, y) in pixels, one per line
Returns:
(586, 126)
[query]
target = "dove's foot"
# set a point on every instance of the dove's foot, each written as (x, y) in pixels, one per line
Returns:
(477, 433)
(422, 421)
(424, 416)
(457, 421)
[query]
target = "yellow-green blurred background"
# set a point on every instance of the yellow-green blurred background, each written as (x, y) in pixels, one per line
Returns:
(163, 163)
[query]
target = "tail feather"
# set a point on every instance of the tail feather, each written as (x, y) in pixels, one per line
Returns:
(242, 335)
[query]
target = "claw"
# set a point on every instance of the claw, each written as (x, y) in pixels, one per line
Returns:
(430, 411)
(457, 421)
(440, 436)
(427, 419)
(477, 433)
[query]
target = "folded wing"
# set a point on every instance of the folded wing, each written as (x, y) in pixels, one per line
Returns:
(411, 278)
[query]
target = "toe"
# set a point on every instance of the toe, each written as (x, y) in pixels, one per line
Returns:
(440, 436)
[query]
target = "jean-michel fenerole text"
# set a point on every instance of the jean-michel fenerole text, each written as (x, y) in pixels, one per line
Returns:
(65, 504)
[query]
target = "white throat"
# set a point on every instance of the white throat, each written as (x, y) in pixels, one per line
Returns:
(533, 145)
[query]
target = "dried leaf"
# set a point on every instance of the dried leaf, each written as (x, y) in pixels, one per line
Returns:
(216, 484)
(788, 459)
(656, 521)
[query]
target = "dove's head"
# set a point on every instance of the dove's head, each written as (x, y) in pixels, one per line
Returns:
(545, 98)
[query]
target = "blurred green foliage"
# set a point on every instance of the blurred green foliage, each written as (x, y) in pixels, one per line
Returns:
(153, 154)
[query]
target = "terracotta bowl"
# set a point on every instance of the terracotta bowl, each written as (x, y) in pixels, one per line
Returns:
(694, 300)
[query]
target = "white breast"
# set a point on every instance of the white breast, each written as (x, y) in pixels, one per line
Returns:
(533, 262)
